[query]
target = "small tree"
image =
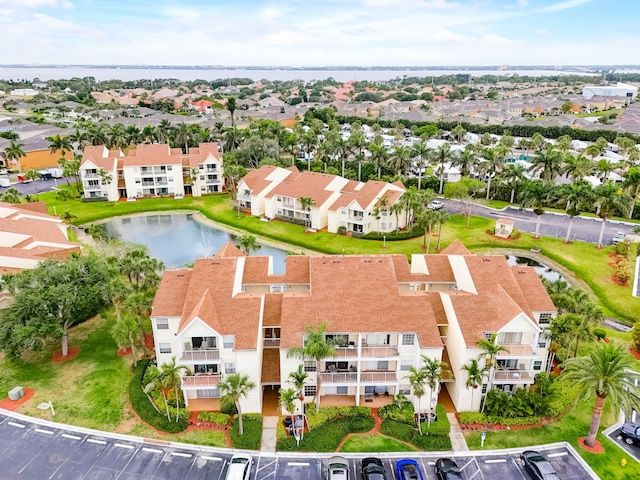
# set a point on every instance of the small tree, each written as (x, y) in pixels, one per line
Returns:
(288, 400)
(248, 243)
(236, 386)
(475, 376)
(124, 332)
(417, 378)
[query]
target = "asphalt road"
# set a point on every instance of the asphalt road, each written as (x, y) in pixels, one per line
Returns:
(52, 451)
(633, 450)
(551, 224)
(37, 186)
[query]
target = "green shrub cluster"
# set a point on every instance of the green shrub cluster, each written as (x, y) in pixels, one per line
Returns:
(220, 419)
(393, 236)
(410, 434)
(327, 437)
(326, 414)
(252, 436)
(143, 407)
(228, 406)
(562, 399)
(400, 413)
(467, 418)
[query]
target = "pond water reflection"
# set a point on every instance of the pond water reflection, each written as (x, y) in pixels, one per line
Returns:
(178, 238)
(541, 269)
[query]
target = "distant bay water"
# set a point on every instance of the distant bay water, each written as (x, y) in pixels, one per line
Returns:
(188, 74)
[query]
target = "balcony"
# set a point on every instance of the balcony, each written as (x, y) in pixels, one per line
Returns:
(200, 355)
(90, 186)
(378, 377)
(201, 380)
(90, 175)
(348, 377)
(354, 218)
(211, 168)
(271, 342)
(365, 377)
(379, 351)
(162, 181)
(148, 184)
(517, 351)
(512, 376)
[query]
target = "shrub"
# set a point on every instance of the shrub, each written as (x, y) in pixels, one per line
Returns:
(468, 418)
(143, 407)
(220, 419)
(327, 437)
(599, 333)
(396, 236)
(252, 436)
(635, 335)
(515, 233)
(400, 413)
(228, 406)
(326, 414)
(342, 230)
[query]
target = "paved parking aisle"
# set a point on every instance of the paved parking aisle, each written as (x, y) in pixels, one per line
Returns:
(40, 450)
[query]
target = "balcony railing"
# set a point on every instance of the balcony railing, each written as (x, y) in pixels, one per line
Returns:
(201, 380)
(200, 355)
(365, 377)
(148, 184)
(90, 175)
(516, 351)
(354, 218)
(88, 186)
(271, 342)
(511, 376)
(161, 182)
(370, 351)
(376, 377)
(348, 377)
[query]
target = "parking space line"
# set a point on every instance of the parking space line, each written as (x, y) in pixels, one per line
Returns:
(151, 450)
(180, 454)
(266, 465)
(18, 425)
(40, 430)
(467, 464)
(298, 464)
(560, 454)
(72, 437)
(99, 442)
(122, 445)
(215, 459)
(496, 460)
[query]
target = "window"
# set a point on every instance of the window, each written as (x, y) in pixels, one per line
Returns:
(484, 388)
(309, 366)
(537, 365)
(309, 390)
(278, 288)
(165, 348)
(202, 178)
(408, 339)
(171, 179)
(342, 390)
(169, 168)
(510, 338)
(383, 365)
(405, 365)
(404, 390)
(383, 213)
(229, 341)
(488, 336)
(542, 341)
(383, 226)
(162, 323)
(229, 368)
(137, 180)
(208, 393)
(545, 318)
(343, 211)
(201, 166)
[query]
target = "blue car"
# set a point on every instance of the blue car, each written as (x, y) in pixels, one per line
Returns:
(408, 469)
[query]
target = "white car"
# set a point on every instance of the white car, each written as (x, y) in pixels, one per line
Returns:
(338, 469)
(435, 205)
(239, 467)
(619, 237)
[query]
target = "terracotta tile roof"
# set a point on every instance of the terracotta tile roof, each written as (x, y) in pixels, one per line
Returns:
(174, 286)
(257, 180)
(200, 154)
(229, 250)
(272, 310)
(533, 289)
(270, 365)
(100, 156)
(306, 184)
(455, 248)
(156, 154)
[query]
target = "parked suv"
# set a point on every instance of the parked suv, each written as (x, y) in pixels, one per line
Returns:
(631, 433)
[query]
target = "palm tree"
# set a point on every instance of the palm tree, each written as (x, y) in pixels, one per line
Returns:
(575, 197)
(467, 161)
(577, 167)
(632, 185)
(124, 332)
(425, 219)
(357, 143)
(342, 149)
(139, 305)
(400, 159)
(421, 152)
(309, 141)
(307, 203)
(315, 348)
(443, 155)
(417, 378)
(609, 200)
(475, 376)
(601, 373)
(114, 292)
(458, 132)
(493, 165)
(548, 163)
(535, 195)
(65, 216)
(442, 217)
(59, 144)
(236, 386)
(433, 375)
(288, 399)
(380, 158)
(513, 176)
(603, 168)
(490, 350)
(299, 379)
(170, 378)
(15, 153)
(231, 106)
(248, 243)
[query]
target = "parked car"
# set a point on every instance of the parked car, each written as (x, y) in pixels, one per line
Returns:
(631, 433)
(538, 467)
(408, 469)
(447, 469)
(619, 237)
(239, 467)
(372, 469)
(435, 205)
(338, 469)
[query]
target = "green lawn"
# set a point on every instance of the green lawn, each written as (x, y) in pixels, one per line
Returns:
(569, 428)
(374, 443)
(599, 113)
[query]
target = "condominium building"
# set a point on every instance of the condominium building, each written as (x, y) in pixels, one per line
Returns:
(358, 207)
(231, 314)
(151, 171)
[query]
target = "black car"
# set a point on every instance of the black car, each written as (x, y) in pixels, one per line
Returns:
(447, 469)
(538, 467)
(372, 469)
(631, 433)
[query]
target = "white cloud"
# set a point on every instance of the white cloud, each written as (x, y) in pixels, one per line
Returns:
(562, 5)
(37, 3)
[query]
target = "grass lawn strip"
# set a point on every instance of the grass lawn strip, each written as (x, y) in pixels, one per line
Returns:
(365, 442)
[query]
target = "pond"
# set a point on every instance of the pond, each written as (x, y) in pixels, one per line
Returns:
(541, 269)
(177, 239)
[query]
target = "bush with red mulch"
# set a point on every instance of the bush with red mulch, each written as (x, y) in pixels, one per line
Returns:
(72, 353)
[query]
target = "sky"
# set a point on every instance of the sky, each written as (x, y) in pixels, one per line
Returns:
(320, 32)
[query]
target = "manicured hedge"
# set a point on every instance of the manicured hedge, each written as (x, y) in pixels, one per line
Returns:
(467, 418)
(327, 437)
(252, 436)
(326, 414)
(143, 407)
(393, 236)
(220, 419)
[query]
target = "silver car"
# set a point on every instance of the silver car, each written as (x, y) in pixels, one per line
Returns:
(338, 468)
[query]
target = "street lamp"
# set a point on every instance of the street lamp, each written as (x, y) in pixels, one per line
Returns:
(384, 241)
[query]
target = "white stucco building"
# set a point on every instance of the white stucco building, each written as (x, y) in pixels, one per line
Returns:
(618, 90)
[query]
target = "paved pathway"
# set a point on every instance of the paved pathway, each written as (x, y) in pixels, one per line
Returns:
(458, 442)
(269, 429)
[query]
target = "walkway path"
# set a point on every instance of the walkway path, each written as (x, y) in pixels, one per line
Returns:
(269, 429)
(458, 442)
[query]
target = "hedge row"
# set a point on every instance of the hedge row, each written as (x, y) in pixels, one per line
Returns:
(252, 436)
(327, 437)
(393, 236)
(410, 434)
(220, 419)
(467, 418)
(145, 409)
(326, 414)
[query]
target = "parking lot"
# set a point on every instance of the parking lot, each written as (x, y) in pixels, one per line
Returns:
(633, 450)
(50, 451)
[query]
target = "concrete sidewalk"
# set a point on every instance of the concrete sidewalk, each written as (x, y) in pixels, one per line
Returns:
(458, 442)
(269, 429)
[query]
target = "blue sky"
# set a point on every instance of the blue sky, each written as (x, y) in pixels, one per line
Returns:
(320, 32)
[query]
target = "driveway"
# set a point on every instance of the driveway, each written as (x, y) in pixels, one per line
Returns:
(33, 449)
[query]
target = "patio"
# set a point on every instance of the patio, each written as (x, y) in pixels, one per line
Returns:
(350, 400)
(204, 404)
